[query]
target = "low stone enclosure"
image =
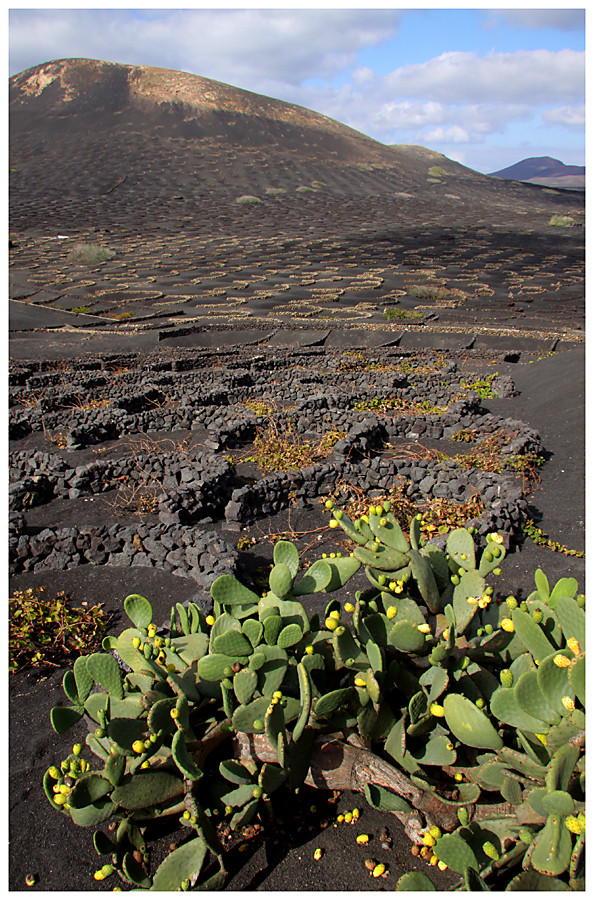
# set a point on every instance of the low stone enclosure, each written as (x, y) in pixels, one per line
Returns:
(366, 415)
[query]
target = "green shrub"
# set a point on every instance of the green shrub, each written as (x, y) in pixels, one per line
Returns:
(248, 200)
(561, 221)
(48, 630)
(390, 313)
(89, 254)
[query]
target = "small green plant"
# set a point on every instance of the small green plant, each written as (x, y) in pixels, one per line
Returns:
(81, 309)
(248, 200)
(437, 171)
(482, 386)
(260, 407)
(561, 221)
(89, 254)
(278, 448)
(428, 291)
(390, 314)
(48, 630)
(543, 540)
(245, 542)
(396, 406)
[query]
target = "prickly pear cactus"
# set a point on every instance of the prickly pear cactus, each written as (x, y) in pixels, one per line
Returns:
(461, 698)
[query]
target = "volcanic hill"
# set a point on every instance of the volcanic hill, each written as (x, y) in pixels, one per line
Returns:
(83, 130)
(547, 171)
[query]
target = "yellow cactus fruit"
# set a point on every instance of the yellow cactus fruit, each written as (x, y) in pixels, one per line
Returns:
(362, 838)
(331, 623)
(59, 799)
(335, 614)
(333, 523)
(136, 643)
(152, 630)
(542, 738)
(458, 776)
(574, 646)
(507, 625)
(348, 817)
(568, 703)
(572, 823)
(391, 612)
(582, 820)
(472, 601)
(348, 607)
(340, 818)
(428, 839)
(356, 814)
(435, 832)
(378, 870)
(441, 866)
(210, 620)
(496, 538)
(424, 629)
(434, 860)
(309, 649)
(561, 661)
(318, 853)
(436, 710)
(138, 746)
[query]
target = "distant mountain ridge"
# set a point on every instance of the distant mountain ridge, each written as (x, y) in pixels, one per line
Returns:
(545, 170)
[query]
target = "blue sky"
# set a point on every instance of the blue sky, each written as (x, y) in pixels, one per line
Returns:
(487, 87)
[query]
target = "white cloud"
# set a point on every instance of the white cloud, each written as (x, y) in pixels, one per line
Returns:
(453, 135)
(249, 47)
(526, 76)
(362, 75)
(561, 19)
(570, 116)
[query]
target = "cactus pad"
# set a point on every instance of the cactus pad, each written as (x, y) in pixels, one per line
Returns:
(88, 789)
(139, 610)
(453, 850)
(460, 546)
(286, 553)
(147, 789)
(332, 701)
(103, 668)
(551, 853)
(212, 667)
(228, 591)
(253, 631)
(182, 864)
(469, 724)
(280, 580)
(232, 643)
(64, 717)
(182, 758)
(289, 636)
(406, 636)
(317, 578)
(415, 881)
(381, 798)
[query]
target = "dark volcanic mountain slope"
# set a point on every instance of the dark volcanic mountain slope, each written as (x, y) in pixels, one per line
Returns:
(89, 132)
(545, 170)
